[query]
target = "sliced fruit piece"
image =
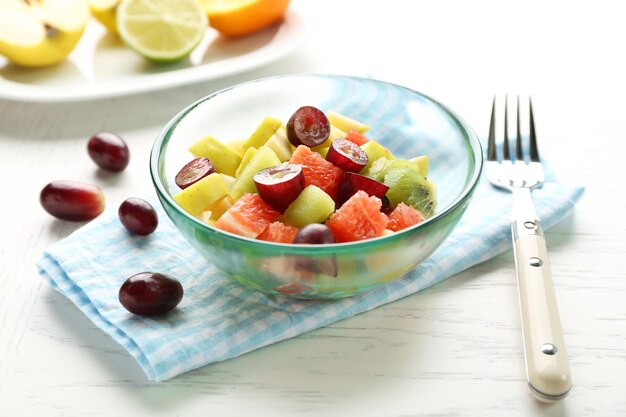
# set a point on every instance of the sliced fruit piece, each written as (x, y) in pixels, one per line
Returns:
(104, 11)
(404, 216)
(358, 218)
(219, 207)
(408, 186)
(382, 166)
(318, 171)
(193, 172)
(248, 217)
(161, 30)
(228, 181)
(375, 151)
(352, 182)
(200, 195)
(263, 158)
(356, 137)
(280, 145)
(245, 159)
(262, 133)
(422, 164)
(242, 17)
(224, 158)
(278, 232)
(345, 123)
(40, 33)
(308, 126)
(206, 217)
(280, 185)
(346, 155)
(334, 134)
(237, 145)
(377, 169)
(313, 205)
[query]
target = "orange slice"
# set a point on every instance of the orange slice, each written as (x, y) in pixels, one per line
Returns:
(242, 17)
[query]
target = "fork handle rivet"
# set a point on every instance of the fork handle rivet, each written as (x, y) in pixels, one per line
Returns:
(549, 349)
(536, 262)
(530, 225)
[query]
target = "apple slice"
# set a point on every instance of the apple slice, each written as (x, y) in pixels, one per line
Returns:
(38, 33)
(279, 186)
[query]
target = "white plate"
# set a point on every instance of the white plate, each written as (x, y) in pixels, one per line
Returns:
(101, 66)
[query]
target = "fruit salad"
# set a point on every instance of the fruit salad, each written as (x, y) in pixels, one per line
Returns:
(316, 179)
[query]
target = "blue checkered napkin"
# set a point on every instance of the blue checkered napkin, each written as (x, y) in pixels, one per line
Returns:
(219, 319)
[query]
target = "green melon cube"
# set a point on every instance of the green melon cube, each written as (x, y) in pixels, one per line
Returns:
(245, 159)
(200, 195)
(375, 151)
(224, 158)
(280, 145)
(345, 123)
(263, 132)
(263, 158)
(313, 205)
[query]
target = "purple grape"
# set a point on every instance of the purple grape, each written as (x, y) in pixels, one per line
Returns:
(138, 216)
(72, 200)
(315, 234)
(150, 293)
(108, 151)
(308, 126)
(193, 172)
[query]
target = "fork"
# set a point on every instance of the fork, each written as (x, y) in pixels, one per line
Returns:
(547, 367)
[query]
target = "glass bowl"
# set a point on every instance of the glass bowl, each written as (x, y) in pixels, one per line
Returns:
(406, 122)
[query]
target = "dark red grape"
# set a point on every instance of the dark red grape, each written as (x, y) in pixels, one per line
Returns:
(108, 151)
(150, 294)
(353, 182)
(71, 200)
(308, 126)
(315, 233)
(346, 155)
(138, 216)
(278, 186)
(193, 172)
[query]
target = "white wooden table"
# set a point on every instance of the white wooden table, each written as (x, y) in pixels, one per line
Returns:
(454, 349)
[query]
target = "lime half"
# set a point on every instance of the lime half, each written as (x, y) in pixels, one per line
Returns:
(161, 30)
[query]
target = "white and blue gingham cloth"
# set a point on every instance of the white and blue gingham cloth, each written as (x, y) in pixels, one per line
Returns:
(220, 319)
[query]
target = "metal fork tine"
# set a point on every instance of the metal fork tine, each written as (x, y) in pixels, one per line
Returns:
(534, 152)
(505, 148)
(518, 142)
(491, 145)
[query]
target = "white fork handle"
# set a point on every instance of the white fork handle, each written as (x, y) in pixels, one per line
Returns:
(547, 366)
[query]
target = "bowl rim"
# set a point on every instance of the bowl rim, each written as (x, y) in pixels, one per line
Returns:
(162, 140)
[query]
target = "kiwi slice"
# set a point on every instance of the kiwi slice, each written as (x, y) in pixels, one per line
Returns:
(408, 186)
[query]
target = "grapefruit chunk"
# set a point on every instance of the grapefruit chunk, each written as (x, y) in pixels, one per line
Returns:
(318, 171)
(356, 137)
(358, 218)
(404, 216)
(279, 232)
(248, 217)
